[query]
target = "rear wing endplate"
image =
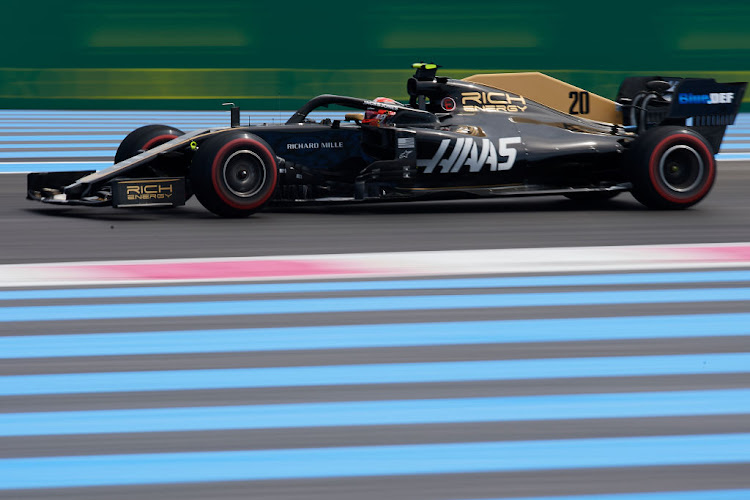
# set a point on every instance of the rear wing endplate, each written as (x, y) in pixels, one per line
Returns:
(706, 102)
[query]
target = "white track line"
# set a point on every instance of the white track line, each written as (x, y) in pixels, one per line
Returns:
(375, 265)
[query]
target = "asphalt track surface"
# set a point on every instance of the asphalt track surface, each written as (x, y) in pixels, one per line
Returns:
(686, 430)
(33, 232)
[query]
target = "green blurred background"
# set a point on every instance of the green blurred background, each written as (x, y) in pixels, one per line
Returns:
(168, 54)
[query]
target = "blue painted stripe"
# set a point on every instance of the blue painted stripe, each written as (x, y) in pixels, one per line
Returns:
(99, 115)
(655, 495)
(99, 470)
(361, 413)
(365, 336)
(57, 154)
(351, 304)
(728, 146)
(9, 125)
(41, 138)
(219, 111)
(174, 120)
(390, 373)
(131, 122)
(62, 146)
(128, 117)
(128, 125)
(58, 112)
(126, 128)
(406, 284)
(20, 167)
(135, 117)
(733, 156)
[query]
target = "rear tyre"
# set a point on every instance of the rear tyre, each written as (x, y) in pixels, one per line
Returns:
(671, 168)
(234, 174)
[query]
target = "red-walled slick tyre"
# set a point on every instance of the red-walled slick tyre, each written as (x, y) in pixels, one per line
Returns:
(234, 174)
(148, 137)
(671, 168)
(145, 138)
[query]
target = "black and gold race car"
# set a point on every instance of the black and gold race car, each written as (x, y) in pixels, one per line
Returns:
(490, 135)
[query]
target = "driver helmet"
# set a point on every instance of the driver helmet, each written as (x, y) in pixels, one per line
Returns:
(377, 116)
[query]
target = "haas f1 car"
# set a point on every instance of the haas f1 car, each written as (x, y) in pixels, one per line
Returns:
(489, 135)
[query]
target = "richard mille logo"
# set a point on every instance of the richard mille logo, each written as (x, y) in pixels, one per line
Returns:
(314, 145)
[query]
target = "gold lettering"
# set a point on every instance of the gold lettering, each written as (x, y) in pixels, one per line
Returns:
(471, 97)
(491, 100)
(149, 192)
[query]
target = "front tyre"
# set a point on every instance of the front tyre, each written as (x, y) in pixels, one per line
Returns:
(145, 138)
(148, 137)
(234, 174)
(671, 168)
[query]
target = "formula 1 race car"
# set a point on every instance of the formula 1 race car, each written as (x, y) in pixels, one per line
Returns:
(484, 136)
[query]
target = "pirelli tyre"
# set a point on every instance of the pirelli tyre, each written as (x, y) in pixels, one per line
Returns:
(234, 174)
(148, 137)
(145, 138)
(671, 168)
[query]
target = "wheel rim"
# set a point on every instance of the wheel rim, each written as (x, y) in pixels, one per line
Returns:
(681, 168)
(244, 173)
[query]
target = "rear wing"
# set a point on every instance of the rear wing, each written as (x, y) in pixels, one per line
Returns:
(700, 103)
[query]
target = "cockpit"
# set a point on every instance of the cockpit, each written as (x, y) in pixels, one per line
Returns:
(393, 114)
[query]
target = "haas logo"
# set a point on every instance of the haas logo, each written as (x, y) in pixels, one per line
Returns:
(472, 153)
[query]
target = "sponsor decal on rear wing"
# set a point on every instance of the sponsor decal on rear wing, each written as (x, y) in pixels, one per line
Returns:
(707, 102)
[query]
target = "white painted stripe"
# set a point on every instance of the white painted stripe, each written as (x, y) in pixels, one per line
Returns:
(369, 265)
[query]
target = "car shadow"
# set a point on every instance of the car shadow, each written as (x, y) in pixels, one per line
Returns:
(109, 214)
(525, 205)
(194, 211)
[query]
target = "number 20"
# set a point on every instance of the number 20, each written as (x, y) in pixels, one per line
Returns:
(581, 100)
